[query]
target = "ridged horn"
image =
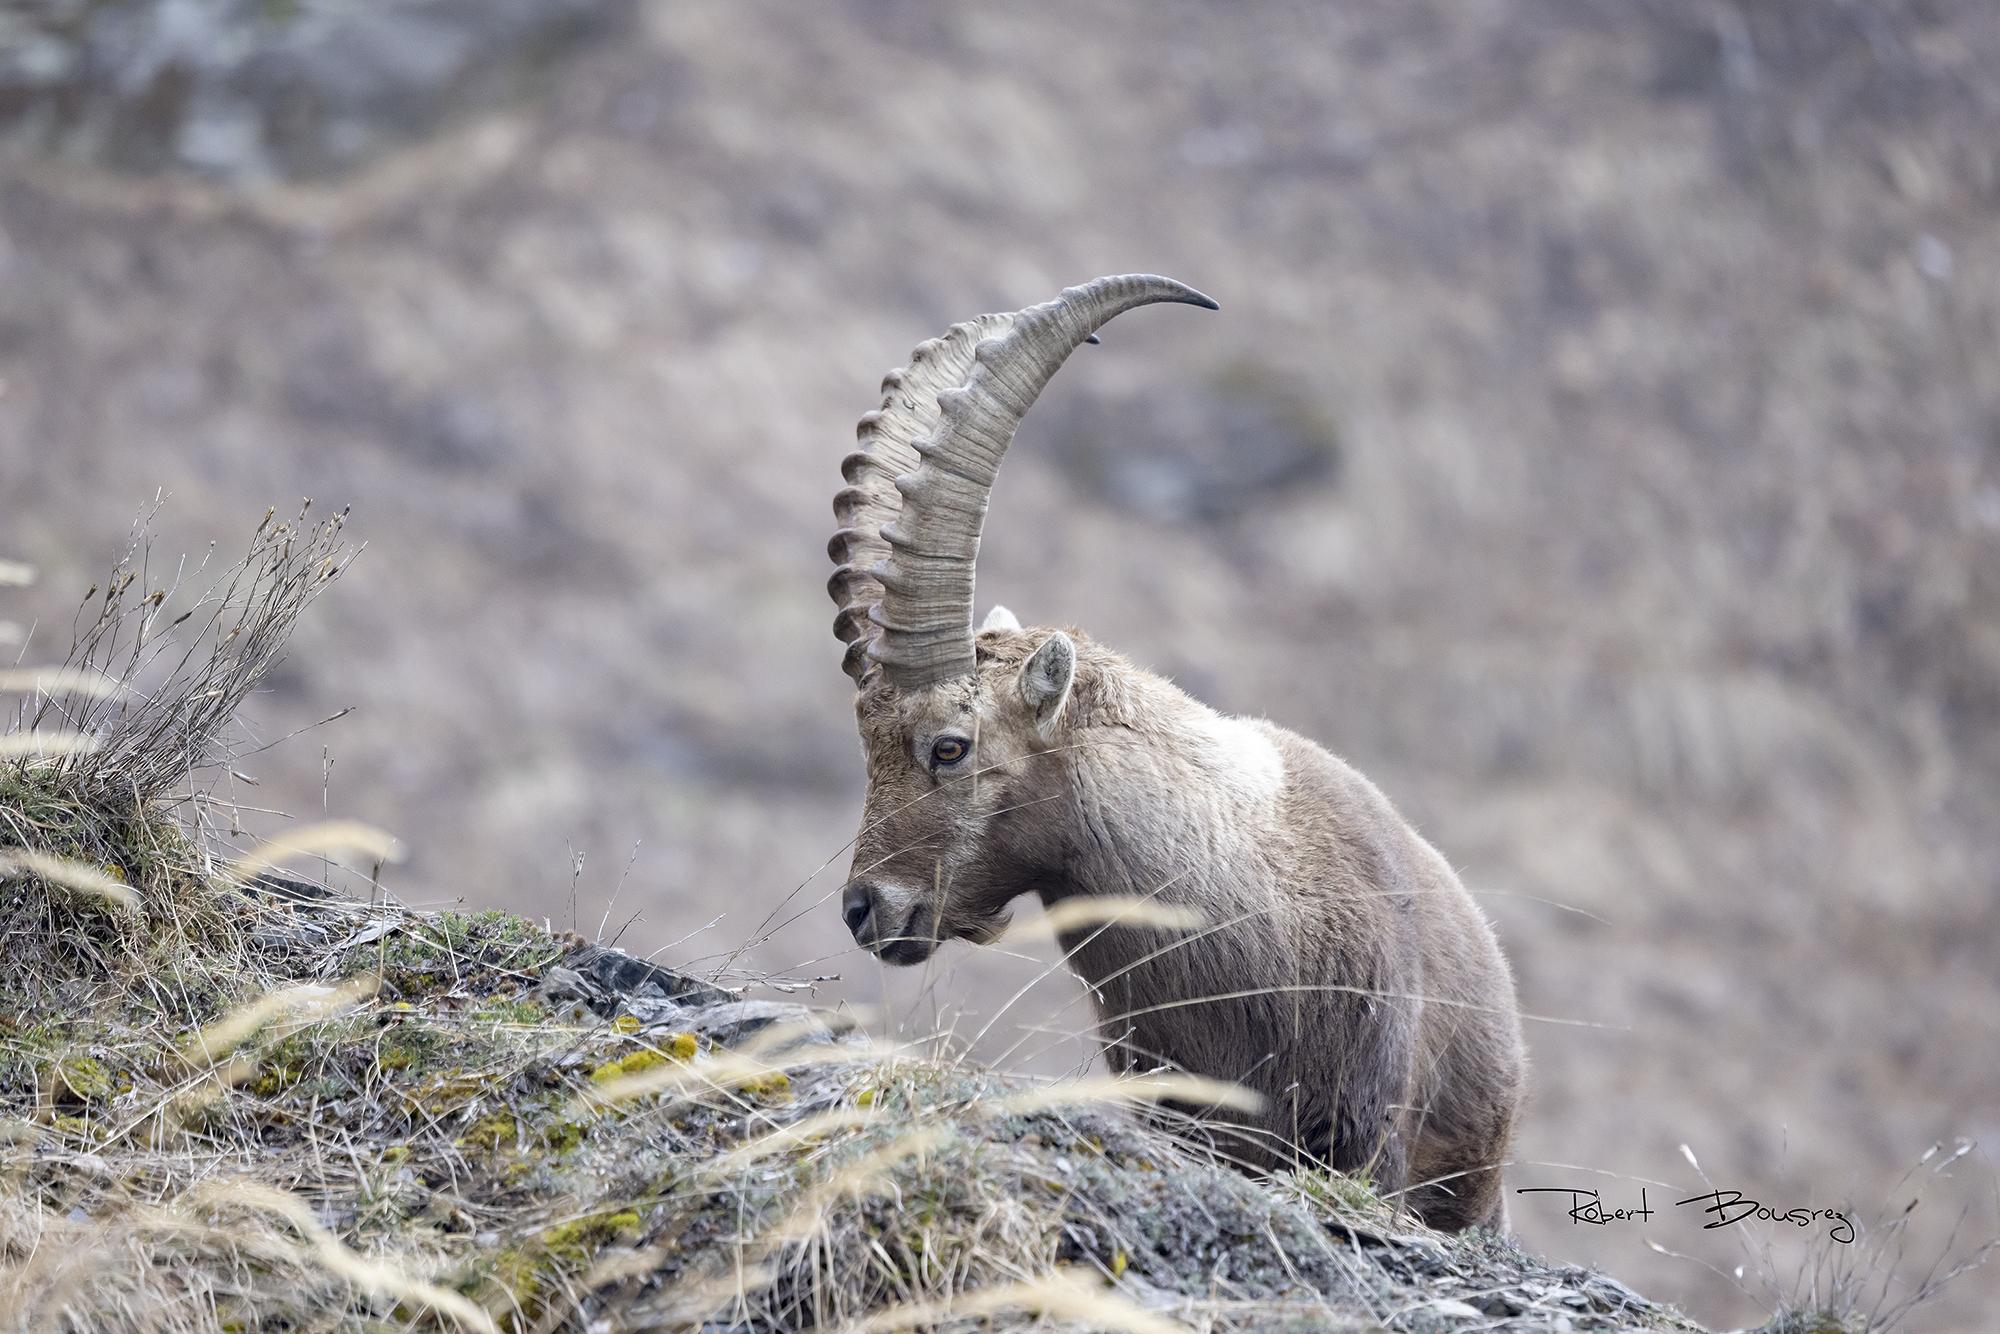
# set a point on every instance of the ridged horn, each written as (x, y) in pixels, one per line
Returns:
(887, 439)
(922, 624)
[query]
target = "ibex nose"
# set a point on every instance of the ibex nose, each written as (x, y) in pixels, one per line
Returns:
(857, 901)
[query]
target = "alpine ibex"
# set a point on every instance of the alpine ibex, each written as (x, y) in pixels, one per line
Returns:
(1343, 973)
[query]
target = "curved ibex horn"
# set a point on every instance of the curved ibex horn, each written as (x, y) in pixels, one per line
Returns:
(888, 449)
(922, 625)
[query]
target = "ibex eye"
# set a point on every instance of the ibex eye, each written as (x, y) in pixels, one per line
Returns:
(948, 750)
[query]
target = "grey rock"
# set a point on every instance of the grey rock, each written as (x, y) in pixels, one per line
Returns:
(566, 991)
(617, 974)
(654, 1013)
(729, 1024)
(251, 90)
(280, 885)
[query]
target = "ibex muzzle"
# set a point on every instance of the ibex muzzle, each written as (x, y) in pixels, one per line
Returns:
(1341, 971)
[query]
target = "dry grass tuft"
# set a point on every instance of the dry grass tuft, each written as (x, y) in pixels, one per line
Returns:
(161, 704)
(59, 681)
(103, 748)
(75, 876)
(319, 840)
(1061, 1295)
(44, 744)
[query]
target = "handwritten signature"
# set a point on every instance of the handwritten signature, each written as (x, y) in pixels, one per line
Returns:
(1727, 1206)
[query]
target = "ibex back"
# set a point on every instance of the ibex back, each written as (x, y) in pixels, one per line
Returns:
(1340, 970)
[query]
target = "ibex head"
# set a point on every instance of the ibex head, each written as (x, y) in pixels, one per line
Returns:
(960, 818)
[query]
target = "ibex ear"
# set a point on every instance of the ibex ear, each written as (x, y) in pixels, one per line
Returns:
(999, 619)
(1046, 678)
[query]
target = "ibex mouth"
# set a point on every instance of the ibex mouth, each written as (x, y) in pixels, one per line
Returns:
(872, 911)
(914, 942)
(906, 950)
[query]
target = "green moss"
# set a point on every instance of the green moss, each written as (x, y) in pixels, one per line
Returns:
(518, 1278)
(184, 939)
(481, 953)
(274, 1078)
(774, 1084)
(577, 1239)
(493, 1133)
(1351, 1193)
(449, 1091)
(515, 1278)
(511, 1011)
(76, 1078)
(565, 1136)
(402, 1051)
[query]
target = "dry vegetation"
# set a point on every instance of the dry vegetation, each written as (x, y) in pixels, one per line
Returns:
(237, 1100)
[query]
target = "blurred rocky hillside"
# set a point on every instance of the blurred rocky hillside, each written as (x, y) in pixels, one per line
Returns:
(1599, 444)
(247, 91)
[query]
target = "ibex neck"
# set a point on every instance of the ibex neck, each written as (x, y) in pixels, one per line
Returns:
(1174, 805)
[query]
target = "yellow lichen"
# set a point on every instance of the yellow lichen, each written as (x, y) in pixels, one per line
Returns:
(398, 1055)
(678, 1047)
(626, 1023)
(574, 1240)
(276, 1078)
(81, 1079)
(771, 1084)
(564, 1136)
(497, 1131)
(632, 1063)
(524, 1273)
(450, 1091)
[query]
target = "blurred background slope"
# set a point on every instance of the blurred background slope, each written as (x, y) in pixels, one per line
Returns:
(1599, 445)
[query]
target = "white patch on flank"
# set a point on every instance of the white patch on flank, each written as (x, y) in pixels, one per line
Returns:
(1245, 759)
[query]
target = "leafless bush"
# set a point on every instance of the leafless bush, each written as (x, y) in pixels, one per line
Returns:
(172, 696)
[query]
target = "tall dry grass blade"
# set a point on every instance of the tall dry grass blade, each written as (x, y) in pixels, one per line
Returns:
(718, 1072)
(305, 1003)
(320, 840)
(45, 745)
(1127, 910)
(1194, 1089)
(61, 680)
(858, 1179)
(1063, 1295)
(802, 1131)
(371, 1276)
(200, 664)
(689, 1303)
(77, 877)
